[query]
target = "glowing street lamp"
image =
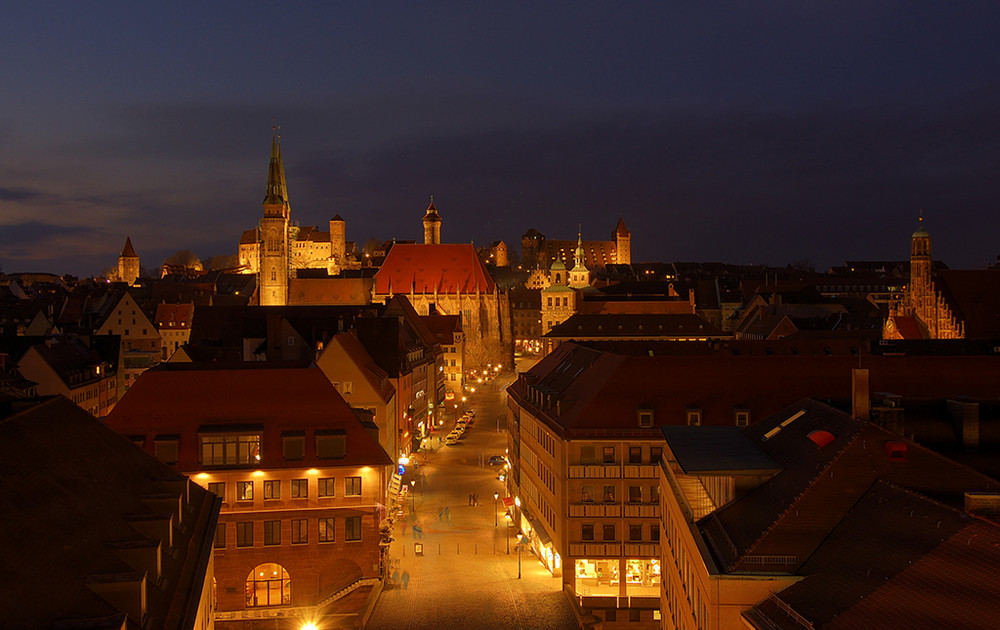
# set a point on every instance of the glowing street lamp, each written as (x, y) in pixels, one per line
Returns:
(496, 497)
(520, 537)
(413, 483)
(507, 537)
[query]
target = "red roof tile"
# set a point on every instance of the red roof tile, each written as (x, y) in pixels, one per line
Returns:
(451, 268)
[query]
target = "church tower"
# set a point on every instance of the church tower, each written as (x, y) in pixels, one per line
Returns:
(272, 278)
(338, 242)
(579, 275)
(921, 290)
(623, 243)
(128, 263)
(432, 225)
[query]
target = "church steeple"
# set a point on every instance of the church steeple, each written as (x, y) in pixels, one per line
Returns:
(579, 275)
(276, 194)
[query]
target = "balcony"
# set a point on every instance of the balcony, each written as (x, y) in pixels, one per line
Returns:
(642, 550)
(598, 510)
(596, 471)
(595, 550)
(642, 510)
(640, 471)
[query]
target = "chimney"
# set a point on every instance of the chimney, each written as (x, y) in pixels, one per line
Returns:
(859, 394)
(964, 415)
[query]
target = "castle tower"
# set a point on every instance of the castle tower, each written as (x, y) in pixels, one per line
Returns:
(432, 225)
(128, 263)
(623, 243)
(921, 290)
(579, 275)
(272, 279)
(338, 240)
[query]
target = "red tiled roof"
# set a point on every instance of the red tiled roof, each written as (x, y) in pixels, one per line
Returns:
(443, 327)
(451, 268)
(908, 327)
(173, 316)
(180, 398)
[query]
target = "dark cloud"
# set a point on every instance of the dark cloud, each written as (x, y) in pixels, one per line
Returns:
(19, 194)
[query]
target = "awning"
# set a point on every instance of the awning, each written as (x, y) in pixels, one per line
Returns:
(536, 526)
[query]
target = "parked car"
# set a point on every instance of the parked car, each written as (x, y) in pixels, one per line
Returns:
(452, 439)
(498, 460)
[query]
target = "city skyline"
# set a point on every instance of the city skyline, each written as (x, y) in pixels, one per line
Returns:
(762, 136)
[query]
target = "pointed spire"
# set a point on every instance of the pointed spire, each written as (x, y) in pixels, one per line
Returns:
(276, 193)
(127, 251)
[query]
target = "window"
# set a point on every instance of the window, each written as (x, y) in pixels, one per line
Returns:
(268, 585)
(244, 534)
(634, 615)
(331, 445)
(300, 488)
(587, 532)
(272, 489)
(635, 494)
(635, 532)
(609, 454)
(244, 491)
(219, 488)
(326, 487)
(548, 302)
(742, 418)
(272, 532)
(586, 454)
(352, 487)
(291, 341)
(654, 532)
(587, 494)
(300, 531)
(609, 532)
(347, 388)
(635, 454)
(611, 614)
(326, 531)
(645, 418)
(609, 494)
(164, 448)
(655, 454)
(218, 450)
(654, 494)
(293, 447)
(693, 417)
(220, 536)
(352, 528)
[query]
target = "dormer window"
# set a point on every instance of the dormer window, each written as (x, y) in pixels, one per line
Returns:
(693, 416)
(645, 418)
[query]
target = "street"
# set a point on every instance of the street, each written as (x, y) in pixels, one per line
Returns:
(465, 576)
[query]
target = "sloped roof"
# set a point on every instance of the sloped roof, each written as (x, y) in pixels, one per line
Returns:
(897, 560)
(248, 237)
(445, 269)
(633, 325)
(443, 327)
(128, 251)
(180, 398)
(173, 316)
(62, 516)
(376, 376)
(620, 229)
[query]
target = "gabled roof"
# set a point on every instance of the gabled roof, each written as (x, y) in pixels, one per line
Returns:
(444, 269)
(181, 398)
(443, 327)
(376, 376)
(73, 491)
(174, 316)
(974, 296)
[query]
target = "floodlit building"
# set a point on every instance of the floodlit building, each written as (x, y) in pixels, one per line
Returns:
(303, 481)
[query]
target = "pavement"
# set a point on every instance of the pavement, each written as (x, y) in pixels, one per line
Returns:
(465, 576)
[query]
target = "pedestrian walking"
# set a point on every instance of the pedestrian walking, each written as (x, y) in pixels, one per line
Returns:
(395, 577)
(418, 532)
(440, 513)
(406, 580)
(447, 514)
(470, 498)
(404, 528)
(475, 499)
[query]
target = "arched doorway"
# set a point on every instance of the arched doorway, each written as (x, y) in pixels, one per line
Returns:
(268, 585)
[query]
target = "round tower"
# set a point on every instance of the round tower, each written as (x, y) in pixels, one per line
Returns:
(338, 240)
(432, 225)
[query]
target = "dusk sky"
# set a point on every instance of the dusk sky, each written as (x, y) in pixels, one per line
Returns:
(742, 132)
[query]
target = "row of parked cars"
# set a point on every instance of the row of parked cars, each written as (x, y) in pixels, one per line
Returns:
(463, 424)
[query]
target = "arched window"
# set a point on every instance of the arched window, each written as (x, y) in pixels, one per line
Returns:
(268, 585)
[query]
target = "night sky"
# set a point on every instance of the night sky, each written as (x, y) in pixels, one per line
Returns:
(743, 132)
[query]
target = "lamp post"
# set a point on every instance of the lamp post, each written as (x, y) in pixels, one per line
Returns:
(519, 538)
(496, 497)
(413, 483)
(507, 532)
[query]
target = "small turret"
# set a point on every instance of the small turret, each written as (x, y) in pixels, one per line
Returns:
(432, 225)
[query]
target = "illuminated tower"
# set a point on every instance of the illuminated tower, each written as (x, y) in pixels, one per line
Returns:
(338, 240)
(921, 291)
(128, 263)
(623, 243)
(272, 278)
(432, 225)
(579, 275)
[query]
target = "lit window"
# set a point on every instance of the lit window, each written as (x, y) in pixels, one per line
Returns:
(272, 489)
(244, 491)
(268, 585)
(326, 487)
(300, 488)
(326, 530)
(236, 449)
(352, 486)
